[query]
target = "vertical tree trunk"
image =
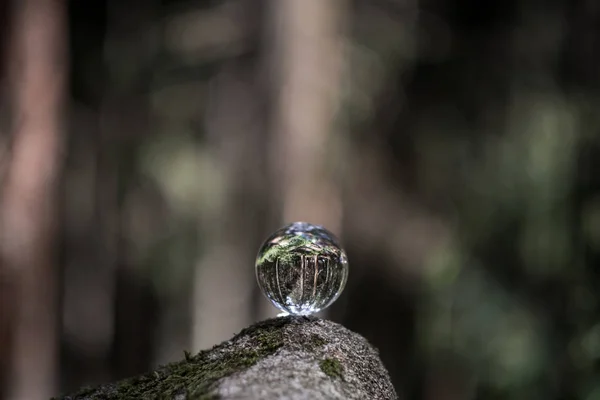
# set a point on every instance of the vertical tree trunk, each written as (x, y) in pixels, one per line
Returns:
(38, 56)
(225, 276)
(307, 57)
(124, 124)
(88, 271)
(224, 281)
(6, 314)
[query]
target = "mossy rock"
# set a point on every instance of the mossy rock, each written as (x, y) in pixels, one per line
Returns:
(289, 357)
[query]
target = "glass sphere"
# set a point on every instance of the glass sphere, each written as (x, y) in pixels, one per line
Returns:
(301, 268)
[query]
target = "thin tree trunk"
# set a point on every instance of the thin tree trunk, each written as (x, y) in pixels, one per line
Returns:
(6, 283)
(307, 57)
(224, 278)
(89, 260)
(38, 57)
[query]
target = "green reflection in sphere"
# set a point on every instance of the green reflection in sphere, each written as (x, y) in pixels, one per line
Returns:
(301, 268)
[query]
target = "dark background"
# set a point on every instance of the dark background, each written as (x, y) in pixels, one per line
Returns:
(147, 148)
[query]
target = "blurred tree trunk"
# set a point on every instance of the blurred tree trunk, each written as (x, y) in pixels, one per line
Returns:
(88, 209)
(6, 314)
(307, 55)
(38, 69)
(125, 124)
(90, 222)
(231, 234)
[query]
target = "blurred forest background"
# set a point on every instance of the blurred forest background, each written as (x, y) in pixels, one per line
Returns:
(147, 148)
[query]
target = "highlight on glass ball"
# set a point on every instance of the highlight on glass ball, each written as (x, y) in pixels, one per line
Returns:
(301, 268)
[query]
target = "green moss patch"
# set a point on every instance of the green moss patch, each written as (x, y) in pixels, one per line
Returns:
(332, 368)
(317, 341)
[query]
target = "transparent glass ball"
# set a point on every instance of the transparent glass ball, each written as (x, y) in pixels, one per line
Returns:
(301, 268)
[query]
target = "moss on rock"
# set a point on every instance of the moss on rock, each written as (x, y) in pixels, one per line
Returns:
(332, 368)
(317, 341)
(289, 357)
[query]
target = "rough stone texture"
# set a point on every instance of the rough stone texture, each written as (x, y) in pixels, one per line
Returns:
(281, 358)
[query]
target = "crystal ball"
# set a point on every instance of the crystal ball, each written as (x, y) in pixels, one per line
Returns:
(301, 268)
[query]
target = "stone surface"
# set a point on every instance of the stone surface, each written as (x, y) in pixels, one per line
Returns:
(281, 358)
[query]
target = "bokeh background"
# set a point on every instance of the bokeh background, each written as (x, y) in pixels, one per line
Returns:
(147, 148)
